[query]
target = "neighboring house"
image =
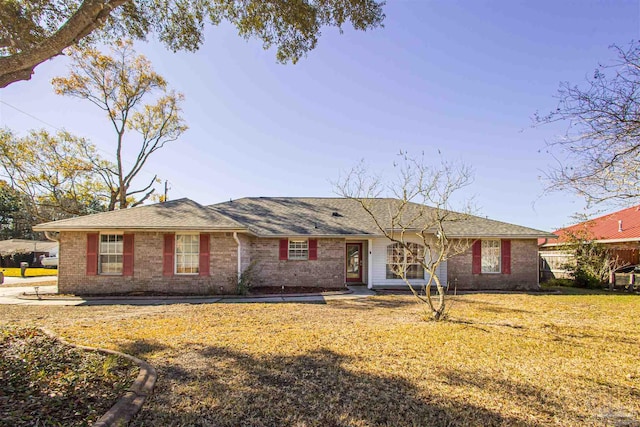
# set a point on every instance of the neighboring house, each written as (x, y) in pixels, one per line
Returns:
(619, 231)
(183, 247)
(14, 251)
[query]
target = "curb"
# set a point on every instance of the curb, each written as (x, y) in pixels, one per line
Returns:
(130, 404)
(52, 297)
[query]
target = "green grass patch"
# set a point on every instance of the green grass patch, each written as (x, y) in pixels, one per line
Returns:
(499, 359)
(44, 382)
(30, 272)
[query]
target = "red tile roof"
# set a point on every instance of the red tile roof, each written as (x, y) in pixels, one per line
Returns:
(607, 227)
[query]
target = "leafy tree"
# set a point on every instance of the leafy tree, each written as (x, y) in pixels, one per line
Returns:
(12, 213)
(599, 157)
(420, 211)
(34, 31)
(142, 110)
(592, 262)
(54, 175)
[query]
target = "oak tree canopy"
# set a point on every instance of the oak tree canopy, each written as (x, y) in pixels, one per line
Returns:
(33, 31)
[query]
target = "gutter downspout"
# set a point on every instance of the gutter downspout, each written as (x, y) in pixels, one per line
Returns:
(51, 237)
(546, 239)
(370, 263)
(235, 237)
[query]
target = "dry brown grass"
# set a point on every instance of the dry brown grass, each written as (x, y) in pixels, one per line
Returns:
(500, 360)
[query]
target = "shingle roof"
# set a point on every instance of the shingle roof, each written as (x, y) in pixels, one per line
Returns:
(12, 246)
(278, 216)
(287, 216)
(606, 227)
(181, 214)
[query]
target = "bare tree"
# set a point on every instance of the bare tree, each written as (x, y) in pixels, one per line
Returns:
(135, 98)
(420, 210)
(599, 156)
(33, 31)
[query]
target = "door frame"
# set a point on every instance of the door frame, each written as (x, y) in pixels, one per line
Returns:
(346, 260)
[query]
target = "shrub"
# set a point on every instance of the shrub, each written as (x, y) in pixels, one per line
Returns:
(245, 282)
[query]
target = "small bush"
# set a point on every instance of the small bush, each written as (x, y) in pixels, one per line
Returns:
(583, 278)
(558, 282)
(246, 280)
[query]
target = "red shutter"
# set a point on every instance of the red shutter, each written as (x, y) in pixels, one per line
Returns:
(476, 254)
(284, 249)
(313, 249)
(92, 254)
(127, 255)
(167, 254)
(505, 252)
(204, 255)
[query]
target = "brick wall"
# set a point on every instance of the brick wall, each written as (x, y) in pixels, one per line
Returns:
(524, 270)
(245, 251)
(325, 272)
(147, 272)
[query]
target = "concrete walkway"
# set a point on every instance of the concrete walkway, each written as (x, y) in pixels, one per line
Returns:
(15, 295)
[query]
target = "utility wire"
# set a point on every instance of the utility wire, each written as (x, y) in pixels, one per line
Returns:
(62, 130)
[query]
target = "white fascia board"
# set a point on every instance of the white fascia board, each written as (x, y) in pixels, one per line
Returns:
(145, 229)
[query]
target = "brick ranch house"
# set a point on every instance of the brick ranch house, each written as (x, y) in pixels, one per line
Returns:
(181, 247)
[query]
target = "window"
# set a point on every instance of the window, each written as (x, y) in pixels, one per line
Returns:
(298, 249)
(401, 260)
(110, 254)
(187, 253)
(490, 256)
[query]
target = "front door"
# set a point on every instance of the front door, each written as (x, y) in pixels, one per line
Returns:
(354, 262)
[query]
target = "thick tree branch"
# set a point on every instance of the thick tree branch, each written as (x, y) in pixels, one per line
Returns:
(90, 15)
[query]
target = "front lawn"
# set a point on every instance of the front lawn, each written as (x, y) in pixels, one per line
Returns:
(526, 360)
(30, 272)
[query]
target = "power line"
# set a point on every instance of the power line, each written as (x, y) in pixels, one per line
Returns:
(62, 130)
(31, 115)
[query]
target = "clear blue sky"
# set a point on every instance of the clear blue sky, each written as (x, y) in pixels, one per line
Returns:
(464, 77)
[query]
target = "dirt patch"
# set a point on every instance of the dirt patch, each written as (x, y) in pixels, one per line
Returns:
(273, 290)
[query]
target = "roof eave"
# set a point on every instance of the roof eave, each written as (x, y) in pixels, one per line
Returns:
(143, 228)
(625, 240)
(503, 236)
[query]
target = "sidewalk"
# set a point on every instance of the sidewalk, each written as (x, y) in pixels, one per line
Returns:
(16, 296)
(29, 281)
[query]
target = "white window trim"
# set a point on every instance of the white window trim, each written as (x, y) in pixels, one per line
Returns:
(306, 258)
(100, 273)
(418, 264)
(482, 252)
(175, 254)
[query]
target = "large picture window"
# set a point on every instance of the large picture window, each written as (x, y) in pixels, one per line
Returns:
(187, 253)
(298, 249)
(110, 261)
(402, 260)
(491, 256)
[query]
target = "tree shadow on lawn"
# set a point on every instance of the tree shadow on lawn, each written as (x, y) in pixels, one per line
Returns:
(490, 307)
(376, 302)
(533, 401)
(141, 348)
(225, 387)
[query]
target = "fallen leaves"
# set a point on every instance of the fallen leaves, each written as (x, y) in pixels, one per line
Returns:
(44, 382)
